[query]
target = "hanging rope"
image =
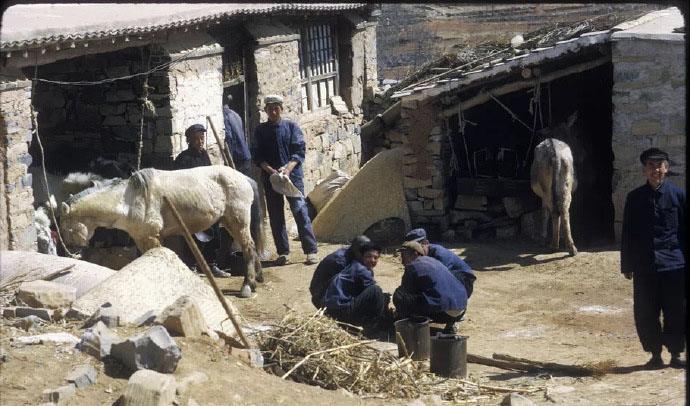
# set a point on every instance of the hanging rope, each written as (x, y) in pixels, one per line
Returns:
(34, 123)
(535, 110)
(513, 115)
(462, 122)
(146, 105)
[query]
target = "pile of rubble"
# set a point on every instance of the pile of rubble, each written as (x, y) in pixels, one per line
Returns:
(125, 303)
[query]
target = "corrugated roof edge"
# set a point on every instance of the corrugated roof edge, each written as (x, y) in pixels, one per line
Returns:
(91, 35)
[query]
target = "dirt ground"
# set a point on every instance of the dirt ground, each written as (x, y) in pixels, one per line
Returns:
(546, 307)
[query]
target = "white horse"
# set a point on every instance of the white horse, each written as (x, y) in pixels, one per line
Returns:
(203, 196)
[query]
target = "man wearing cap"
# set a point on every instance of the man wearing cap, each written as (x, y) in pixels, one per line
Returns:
(428, 289)
(195, 155)
(234, 137)
(331, 265)
(653, 256)
(279, 147)
(454, 263)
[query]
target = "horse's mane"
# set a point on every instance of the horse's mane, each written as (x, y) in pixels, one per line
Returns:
(139, 181)
(106, 183)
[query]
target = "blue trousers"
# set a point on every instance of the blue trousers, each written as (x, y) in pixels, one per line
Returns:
(298, 206)
(657, 294)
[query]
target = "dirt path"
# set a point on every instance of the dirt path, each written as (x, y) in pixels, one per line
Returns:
(543, 307)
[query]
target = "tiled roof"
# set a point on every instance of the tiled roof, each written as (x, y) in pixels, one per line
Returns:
(34, 25)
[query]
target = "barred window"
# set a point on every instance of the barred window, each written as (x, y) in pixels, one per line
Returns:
(318, 65)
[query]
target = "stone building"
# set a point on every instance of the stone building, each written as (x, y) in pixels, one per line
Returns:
(105, 81)
(469, 128)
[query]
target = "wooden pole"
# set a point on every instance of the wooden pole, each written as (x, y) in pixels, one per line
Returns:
(227, 158)
(207, 271)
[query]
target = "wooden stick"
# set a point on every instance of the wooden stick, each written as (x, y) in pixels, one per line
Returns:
(227, 158)
(342, 347)
(553, 366)
(511, 366)
(500, 388)
(207, 271)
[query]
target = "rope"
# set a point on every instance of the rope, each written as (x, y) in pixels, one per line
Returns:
(461, 124)
(144, 106)
(513, 115)
(34, 122)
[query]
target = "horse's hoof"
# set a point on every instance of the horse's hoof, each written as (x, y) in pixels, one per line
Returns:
(245, 292)
(260, 278)
(573, 252)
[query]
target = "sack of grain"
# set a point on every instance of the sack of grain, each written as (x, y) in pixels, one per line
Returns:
(326, 189)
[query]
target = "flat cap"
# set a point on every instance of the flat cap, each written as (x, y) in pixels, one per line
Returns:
(193, 129)
(654, 154)
(412, 246)
(273, 99)
(418, 234)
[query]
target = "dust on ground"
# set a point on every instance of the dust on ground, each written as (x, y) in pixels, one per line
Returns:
(545, 307)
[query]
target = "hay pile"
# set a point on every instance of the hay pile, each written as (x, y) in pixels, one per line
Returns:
(315, 350)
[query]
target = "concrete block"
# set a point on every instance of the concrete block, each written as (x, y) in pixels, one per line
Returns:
(82, 376)
(59, 395)
(45, 314)
(98, 340)
(46, 294)
(184, 318)
(149, 388)
(154, 350)
(107, 314)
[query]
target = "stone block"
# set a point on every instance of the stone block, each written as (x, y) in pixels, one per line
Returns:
(82, 376)
(9, 312)
(45, 314)
(54, 338)
(471, 202)
(434, 148)
(513, 399)
(415, 206)
(428, 204)
(28, 323)
(439, 203)
(59, 395)
(430, 193)
(530, 225)
(645, 127)
(149, 388)
(154, 350)
(410, 194)
(46, 294)
(184, 318)
(458, 216)
(107, 314)
(414, 183)
(513, 206)
(506, 232)
(98, 340)
(250, 356)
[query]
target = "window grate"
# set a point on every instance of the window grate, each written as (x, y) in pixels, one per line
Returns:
(318, 65)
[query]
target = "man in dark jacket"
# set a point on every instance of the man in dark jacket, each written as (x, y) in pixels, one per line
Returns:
(454, 263)
(234, 137)
(279, 147)
(428, 289)
(653, 256)
(195, 155)
(354, 297)
(331, 265)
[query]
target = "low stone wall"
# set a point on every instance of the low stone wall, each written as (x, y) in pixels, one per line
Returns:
(649, 111)
(17, 230)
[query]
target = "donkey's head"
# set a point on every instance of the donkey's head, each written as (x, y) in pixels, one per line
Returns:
(75, 231)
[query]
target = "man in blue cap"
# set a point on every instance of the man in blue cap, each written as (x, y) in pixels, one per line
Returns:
(279, 147)
(653, 256)
(428, 289)
(234, 137)
(195, 155)
(454, 263)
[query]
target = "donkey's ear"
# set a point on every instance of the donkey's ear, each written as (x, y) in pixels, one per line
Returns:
(64, 208)
(572, 119)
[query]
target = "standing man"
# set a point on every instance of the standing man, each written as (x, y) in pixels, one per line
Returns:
(653, 256)
(428, 289)
(195, 155)
(454, 263)
(234, 137)
(279, 147)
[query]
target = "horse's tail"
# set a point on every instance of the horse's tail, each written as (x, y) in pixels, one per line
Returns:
(256, 221)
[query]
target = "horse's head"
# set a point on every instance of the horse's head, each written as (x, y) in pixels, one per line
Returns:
(75, 232)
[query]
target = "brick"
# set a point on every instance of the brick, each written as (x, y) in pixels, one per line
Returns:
(413, 183)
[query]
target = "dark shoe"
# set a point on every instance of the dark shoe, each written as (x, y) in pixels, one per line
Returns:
(218, 273)
(281, 260)
(654, 363)
(676, 362)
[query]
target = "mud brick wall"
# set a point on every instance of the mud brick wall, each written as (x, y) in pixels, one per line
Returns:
(649, 111)
(17, 231)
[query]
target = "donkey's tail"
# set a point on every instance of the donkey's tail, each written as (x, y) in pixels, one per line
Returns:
(556, 180)
(256, 221)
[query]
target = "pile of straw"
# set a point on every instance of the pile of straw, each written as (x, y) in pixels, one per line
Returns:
(315, 350)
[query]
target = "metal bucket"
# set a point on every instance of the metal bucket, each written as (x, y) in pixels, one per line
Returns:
(449, 355)
(412, 336)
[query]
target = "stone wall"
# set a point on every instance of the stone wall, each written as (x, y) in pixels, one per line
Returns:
(649, 111)
(17, 231)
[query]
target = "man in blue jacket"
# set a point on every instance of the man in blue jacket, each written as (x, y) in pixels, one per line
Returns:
(454, 263)
(653, 256)
(234, 137)
(353, 296)
(279, 147)
(331, 265)
(428, 289)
